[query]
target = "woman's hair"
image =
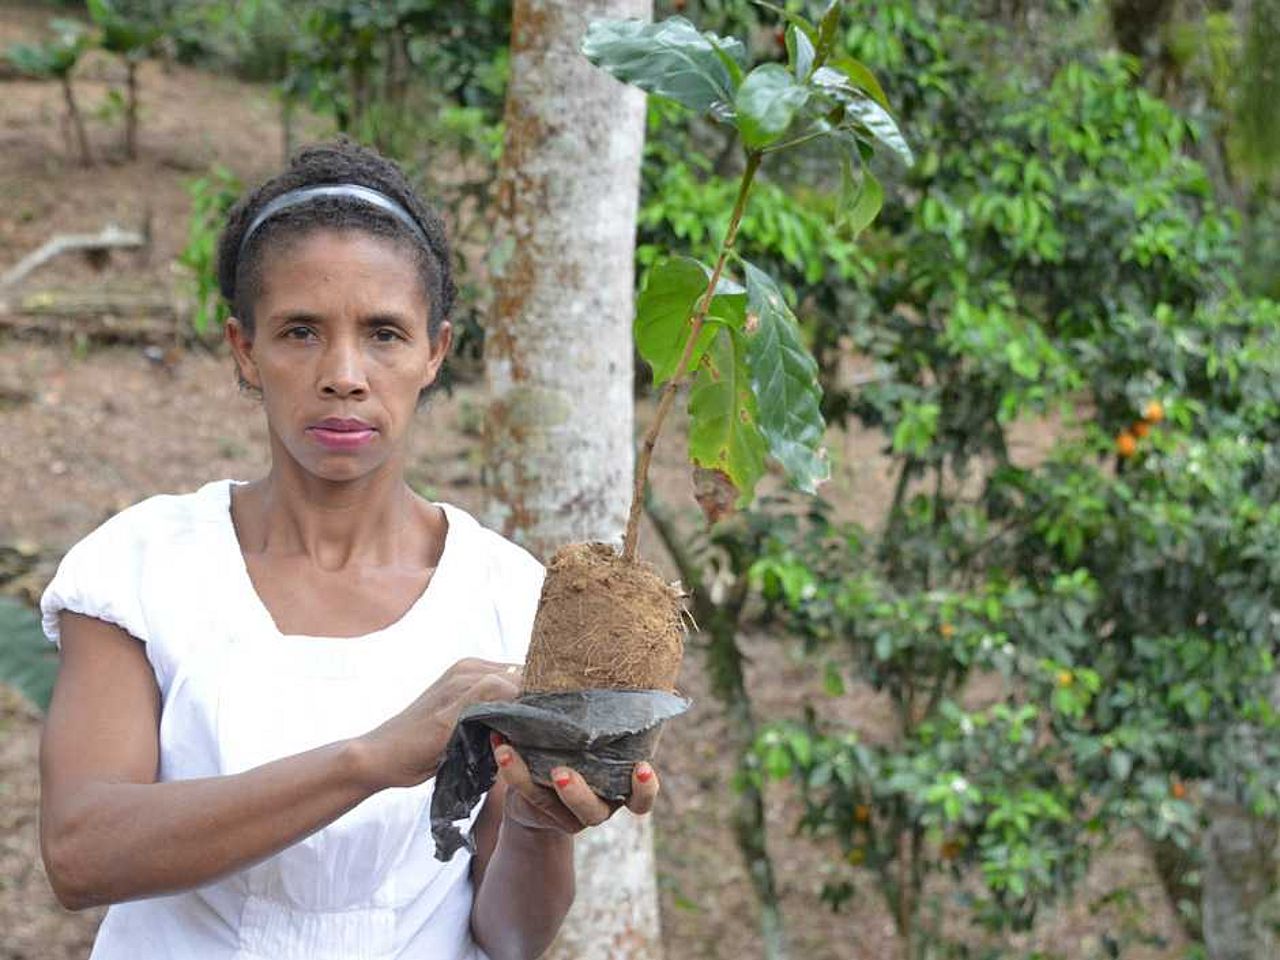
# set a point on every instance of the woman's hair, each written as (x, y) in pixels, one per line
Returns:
(340, 162)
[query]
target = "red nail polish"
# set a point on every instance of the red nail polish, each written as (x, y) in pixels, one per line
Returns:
(504, 758)
(644, 774)
(561, 779)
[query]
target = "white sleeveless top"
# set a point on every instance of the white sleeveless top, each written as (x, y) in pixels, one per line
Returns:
(237, 693)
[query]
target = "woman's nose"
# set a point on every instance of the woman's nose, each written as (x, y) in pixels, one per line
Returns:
(342, 372)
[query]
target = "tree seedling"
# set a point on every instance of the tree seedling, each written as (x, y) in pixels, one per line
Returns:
(608, 620)
(55, 59)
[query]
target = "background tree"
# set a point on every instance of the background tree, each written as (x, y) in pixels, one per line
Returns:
(56, 58)
(558, 356)
(130, 29)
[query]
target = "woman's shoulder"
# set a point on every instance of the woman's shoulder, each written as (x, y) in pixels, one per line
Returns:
(489, 548)
(161, 518)
(103, 573)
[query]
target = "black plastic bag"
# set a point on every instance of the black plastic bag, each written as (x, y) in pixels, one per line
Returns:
(602, 734)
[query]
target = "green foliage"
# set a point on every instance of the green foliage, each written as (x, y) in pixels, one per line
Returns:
(56, 57)
(1073, 641)
(252, 38)
(663, 309)
(784, 381)
(756, 386)
(724, 434)
(130, 28)
(212, 196)
(27, 662)
(353, 59)
(767, 103)
(671, 59)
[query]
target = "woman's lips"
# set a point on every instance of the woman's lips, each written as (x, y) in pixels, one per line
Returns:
(342, 434)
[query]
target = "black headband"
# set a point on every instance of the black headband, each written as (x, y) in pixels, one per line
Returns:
(354, 191)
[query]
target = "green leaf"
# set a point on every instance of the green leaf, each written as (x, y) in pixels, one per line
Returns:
(767, 103)
(828, 27)
(1121, 764)
(861, 198)
(663, 311)
(34, 61)
(666, 306)
(784, 380)
(797, 21)
(832, 681)
(861, 112)
(800, 53)
(27, 661)
(725, 50)
(123, 34)
(884, 646)
(860, 75)
(917, 428)
(723, 434)
(777, 762)
(671, 59)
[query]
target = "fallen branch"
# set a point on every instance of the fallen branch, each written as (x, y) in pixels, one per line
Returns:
(100, 317)
(110, 237)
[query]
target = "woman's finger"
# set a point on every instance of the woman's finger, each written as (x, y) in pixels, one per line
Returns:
(580, 798)
(514, 772)
(644, 788)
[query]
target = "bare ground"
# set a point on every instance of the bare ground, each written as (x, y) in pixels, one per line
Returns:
(85, 431)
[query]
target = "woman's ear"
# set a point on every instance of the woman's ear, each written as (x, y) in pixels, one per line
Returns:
(242, 349)
(440, 345)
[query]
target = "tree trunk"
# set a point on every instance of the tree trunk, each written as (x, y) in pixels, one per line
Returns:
(558, 357)
(131, 109)
(1240, 898)
(77, 122)
(286, 128)
(1240, 883)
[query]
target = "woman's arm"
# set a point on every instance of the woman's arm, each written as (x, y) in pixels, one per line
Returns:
(523, 869)
(110, 832)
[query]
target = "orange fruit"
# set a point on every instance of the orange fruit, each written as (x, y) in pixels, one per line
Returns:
(1178, 789)
(947, 630)
(1154, 412)
(1126, 444)
(1140, 429)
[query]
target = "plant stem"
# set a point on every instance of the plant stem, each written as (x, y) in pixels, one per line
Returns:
(788, 144)
(131, 109)
(677, 379)
(77, 122)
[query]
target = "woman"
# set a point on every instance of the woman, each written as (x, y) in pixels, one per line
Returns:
(258, 679)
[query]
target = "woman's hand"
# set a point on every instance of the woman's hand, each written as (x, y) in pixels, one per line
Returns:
(408, 748)
(572, 805)
(523, 868)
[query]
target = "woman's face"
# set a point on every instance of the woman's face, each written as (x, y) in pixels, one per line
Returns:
(340, 351)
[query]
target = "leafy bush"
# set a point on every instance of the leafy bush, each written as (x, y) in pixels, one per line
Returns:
(55, 59)
(212, 196)
(27, 662)
(1071, 643)
(131, 29)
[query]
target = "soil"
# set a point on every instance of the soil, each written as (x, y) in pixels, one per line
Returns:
(86, 430)
(604, 623)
